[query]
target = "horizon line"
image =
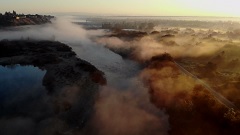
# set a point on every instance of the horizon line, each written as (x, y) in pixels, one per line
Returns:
(106, 15)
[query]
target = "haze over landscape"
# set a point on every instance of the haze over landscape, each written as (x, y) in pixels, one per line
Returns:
(108, 67)
(128, 8)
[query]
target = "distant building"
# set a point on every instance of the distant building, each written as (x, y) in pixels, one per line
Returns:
(9, 18)
(22, 16)
(31, 16)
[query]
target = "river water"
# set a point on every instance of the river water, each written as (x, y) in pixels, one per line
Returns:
(123, 105)
(20, 84)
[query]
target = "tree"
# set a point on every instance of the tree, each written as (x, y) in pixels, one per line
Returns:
(14, 12)
(6, 13)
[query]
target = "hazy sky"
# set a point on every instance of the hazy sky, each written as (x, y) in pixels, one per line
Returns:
(127, 7)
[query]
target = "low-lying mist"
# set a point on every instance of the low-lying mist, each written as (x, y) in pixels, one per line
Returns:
(122, 106)
(184, 69)
(147, 92)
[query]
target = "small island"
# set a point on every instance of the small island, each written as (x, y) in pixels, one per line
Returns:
(14, 19)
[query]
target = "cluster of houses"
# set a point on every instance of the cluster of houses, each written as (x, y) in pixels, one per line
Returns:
(14, 15)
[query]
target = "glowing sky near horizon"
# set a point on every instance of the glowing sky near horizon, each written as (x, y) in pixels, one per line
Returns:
(127, 7)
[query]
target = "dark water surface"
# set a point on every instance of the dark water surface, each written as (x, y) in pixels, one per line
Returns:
(20, 84)
(23, 99)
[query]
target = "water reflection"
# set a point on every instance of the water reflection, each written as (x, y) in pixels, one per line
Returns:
(23, 99)
(19, 85)
(20, 89)
(27, 106)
